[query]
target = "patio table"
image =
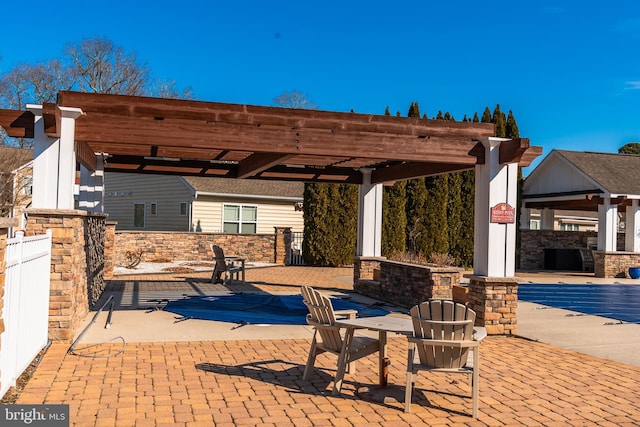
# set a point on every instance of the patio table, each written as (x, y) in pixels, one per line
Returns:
(233, 260)
(382, 324)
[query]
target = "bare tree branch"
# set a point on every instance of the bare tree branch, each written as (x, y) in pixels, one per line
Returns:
(294, 99)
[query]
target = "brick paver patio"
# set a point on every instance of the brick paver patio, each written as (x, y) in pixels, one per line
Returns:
(259, 382)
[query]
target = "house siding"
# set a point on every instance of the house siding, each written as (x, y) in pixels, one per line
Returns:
(123, 191)
(207, 214)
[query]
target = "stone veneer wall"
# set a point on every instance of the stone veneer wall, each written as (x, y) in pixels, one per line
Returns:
(495, 301)
(77, 265)
(534, 242)
(407, 284)
(614, 264)
(188, 246)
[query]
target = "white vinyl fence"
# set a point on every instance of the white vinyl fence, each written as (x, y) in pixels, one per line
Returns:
(26, 305)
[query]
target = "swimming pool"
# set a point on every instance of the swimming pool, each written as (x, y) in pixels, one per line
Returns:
(252, 309)
(620, 302)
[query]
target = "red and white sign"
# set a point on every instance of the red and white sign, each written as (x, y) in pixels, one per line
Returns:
(503, 213)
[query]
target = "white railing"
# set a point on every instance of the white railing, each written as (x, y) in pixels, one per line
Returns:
(25, 304)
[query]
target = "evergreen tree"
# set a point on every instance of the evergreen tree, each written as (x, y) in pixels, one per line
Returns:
(463, 250)
(386, 111)
(436, 240)
(315, 207)
(475, 118)
(511, 130)
(394, 219)
(416, 201)
(439, 116)
(486, 116)
(415, 208)
(345, 233)
(500, 122)
(330, 224)
(630, 148)
(414, 110)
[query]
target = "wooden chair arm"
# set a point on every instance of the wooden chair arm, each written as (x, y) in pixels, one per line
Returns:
(349, 314)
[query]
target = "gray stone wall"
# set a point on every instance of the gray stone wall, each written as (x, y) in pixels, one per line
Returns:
(185, 246)
(534, 242)
(409, 284)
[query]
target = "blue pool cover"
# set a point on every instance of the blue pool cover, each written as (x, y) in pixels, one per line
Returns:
(258, 308)
(620, 302)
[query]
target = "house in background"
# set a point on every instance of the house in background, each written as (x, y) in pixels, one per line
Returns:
(572, 182)
(16, 180)
(566, 220)
(202, 204)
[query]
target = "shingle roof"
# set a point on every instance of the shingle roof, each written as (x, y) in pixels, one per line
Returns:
(14, 157)
(617, 173)
(288, 189)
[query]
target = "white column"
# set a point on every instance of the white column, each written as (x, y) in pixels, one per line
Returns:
(369, 217)
(607, 226)
(92, 187)
(632, 228)
(45, 164)
(547, 219)
(54, 161)
(494, 243)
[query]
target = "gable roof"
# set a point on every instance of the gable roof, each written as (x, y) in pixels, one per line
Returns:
(12, 158)
(615, 173)
(254, 188)
(576, 179)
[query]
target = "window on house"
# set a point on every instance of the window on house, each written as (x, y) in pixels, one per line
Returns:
(153, 208)
(569, 227)
(240, 219)
(184, 208)
(534, 224)
(27, 185)
(138, 215)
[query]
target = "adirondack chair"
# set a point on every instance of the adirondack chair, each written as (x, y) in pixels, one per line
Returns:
(224, 270)
(443, 337)
(328, 337)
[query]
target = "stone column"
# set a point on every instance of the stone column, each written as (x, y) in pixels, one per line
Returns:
(495, 301)
(77, 265)
(282, 245)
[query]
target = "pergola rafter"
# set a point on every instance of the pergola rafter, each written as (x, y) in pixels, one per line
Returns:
(153, 135)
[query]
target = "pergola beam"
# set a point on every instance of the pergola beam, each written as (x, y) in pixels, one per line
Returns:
(16, 123)
(259, 162)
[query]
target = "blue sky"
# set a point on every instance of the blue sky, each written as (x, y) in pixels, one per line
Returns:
(569, 70)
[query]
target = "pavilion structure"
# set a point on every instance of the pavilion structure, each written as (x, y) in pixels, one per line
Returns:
(93, 133)
(606, 183)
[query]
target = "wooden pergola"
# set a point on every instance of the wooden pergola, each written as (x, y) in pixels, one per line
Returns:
(168, 136)
(171, 136)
